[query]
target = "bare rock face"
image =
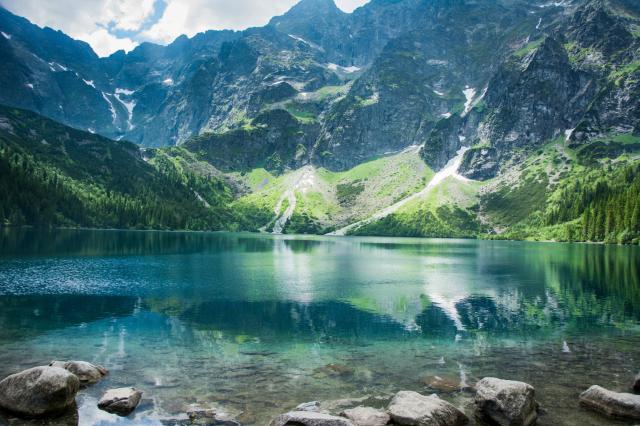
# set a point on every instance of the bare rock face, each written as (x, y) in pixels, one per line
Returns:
(310, 418)
(506, 402)
(612, 404)
(39, 391)
(120, 401)
(366, 416)
(87, 373)
(413, 409)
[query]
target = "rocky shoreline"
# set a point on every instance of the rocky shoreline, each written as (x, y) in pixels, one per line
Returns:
(47, 395)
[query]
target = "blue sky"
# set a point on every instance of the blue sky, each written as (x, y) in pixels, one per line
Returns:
(110, 25)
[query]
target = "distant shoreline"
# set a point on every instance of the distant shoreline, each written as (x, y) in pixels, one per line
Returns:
(176, 231)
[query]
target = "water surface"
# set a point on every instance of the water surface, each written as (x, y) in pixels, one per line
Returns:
(254, 325)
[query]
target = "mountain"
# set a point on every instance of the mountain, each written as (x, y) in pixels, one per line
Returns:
(53, 175)
(503, 119)
(221, 80)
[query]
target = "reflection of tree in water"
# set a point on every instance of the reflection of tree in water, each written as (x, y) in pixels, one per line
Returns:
(120, 243)
(24, 317)
(592, 283)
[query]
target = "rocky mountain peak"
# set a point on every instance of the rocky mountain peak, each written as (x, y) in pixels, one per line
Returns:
(550, 54)
(595, 26)
(307, 10)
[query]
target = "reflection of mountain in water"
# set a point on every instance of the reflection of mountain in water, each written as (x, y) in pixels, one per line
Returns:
(318, 288)
(23, 317)
(506, 314)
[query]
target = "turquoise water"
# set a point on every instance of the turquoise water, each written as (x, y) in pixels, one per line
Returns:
(253, 325)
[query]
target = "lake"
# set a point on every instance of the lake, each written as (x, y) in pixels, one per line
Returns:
(253, 325)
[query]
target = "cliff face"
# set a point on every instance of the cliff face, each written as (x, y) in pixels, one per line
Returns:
(577, 81)
(321, 86)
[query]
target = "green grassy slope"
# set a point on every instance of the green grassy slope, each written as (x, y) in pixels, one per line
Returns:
(326, 200)
(587, 192)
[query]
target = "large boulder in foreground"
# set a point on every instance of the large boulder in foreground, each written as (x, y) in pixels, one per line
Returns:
(87, 373)
(413, 409)
(39, 391)
(506, 402)
(120, 401)
(310, 418)
(366, 416)
(613, 404)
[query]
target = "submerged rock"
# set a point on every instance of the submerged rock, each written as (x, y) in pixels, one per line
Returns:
(87, 373)
(120, 401)
(309, 406)
(39, 391)
(613, 404)
(636, 384)
(506, 402)
(338, 369)
(198, 414)
(310, 418)
(413, 409)
(366, 416)
(442, 384)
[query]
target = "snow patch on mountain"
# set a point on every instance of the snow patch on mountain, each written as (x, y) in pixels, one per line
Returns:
(469, 93)
(128, 104)
(56, 67)
(5, 35)
(114, 115)
(347, 70)
(126, 92)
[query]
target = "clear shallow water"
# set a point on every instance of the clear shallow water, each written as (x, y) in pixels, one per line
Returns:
(254, 325)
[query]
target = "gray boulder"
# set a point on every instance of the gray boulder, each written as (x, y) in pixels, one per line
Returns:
(413, 409)
(87, 373)
(310, 418)
(506, 402)
(636, 384)
(120, 401)
(613, 404)
(39, 391)
(366, 416)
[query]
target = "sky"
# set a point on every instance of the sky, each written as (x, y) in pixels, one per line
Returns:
(111, 25)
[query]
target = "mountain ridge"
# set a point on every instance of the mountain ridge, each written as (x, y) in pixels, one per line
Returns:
(314, 125)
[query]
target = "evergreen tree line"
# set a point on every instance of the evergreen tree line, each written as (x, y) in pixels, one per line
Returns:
(34, 193)
(607, 208)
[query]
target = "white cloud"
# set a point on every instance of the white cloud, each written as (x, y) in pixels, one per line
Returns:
(128, 15)
(105, 43)
(88, 20)
(350, 5)
(193, 16)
